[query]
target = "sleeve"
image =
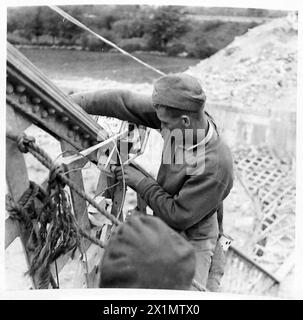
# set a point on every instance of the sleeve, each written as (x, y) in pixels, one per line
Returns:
(121, 104)
(198, 197)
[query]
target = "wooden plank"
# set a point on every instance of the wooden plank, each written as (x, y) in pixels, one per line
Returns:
(94, 255)
(79, 204)
(248, 260)
(14, 170)
(17, 177)
(11, 231)
(118, 192)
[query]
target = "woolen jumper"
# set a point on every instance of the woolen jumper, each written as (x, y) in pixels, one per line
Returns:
(187, 203)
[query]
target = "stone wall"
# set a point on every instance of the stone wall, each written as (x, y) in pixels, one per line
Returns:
(238, 126)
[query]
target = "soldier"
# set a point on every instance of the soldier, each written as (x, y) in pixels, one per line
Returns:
(145, 253)
(196, 172)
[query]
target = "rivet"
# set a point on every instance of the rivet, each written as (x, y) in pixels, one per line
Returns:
(36, 108)
(20, 88)
(70, 133)
(52, 111)
(44, 113)
(65, 119)
(36, 100)
(77, 137)
(9, 88)
(85, 144)
(23, 99)
(86, 135)
(76, 127)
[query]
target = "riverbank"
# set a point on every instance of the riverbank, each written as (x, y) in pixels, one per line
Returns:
(103, 65)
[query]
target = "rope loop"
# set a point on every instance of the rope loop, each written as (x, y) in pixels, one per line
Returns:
(23, 142)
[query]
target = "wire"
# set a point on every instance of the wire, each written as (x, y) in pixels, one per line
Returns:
(83, 259)
(114, 185)
(79, 168)
(81, 25)
(106, 189)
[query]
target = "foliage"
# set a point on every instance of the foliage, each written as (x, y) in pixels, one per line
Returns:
(175, 47)
(240, 12)
(129, 28)
(133, 44)
(201, 49)
(133, 27)
(165, 25)
(204, 39)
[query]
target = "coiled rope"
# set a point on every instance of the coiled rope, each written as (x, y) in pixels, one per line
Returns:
(27, 144)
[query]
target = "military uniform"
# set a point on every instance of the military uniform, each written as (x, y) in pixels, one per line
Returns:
(187, 203)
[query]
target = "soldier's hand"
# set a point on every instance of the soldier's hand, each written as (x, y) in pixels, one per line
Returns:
(132, 176)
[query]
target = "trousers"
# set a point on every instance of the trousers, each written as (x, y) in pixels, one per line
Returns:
(204, 251)
(216, 270)
(210, 262)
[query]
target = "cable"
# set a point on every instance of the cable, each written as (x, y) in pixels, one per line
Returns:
(81, 25)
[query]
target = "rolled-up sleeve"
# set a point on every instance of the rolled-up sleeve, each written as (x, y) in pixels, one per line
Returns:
(121, 104)
(198, 197)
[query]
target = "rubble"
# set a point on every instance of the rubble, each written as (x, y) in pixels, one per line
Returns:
(257, 70)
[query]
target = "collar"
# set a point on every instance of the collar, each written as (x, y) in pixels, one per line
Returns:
(205, 140)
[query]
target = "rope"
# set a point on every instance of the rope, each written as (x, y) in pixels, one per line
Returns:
(81, 25)
(43, 256)
(27, 144)
(19, 210)
(92, 239)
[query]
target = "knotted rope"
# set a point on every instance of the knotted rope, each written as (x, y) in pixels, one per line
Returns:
(54, 229)
(27, 144)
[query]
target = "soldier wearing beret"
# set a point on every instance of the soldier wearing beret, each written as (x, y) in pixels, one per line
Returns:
(144, 252)
(187, 194)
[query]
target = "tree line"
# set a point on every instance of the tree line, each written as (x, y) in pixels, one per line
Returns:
(165, 29)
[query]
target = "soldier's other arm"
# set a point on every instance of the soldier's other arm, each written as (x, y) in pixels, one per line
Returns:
(198, 198)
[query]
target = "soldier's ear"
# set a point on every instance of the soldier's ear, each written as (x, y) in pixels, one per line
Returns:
(185, 121)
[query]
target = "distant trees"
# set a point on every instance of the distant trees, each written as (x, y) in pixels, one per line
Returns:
(52, 25)
(132, 27)
(36, 26)
(166, 24)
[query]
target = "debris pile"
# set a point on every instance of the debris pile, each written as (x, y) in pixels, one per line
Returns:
(257, 70)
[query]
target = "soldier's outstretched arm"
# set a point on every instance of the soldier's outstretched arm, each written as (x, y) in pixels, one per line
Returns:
(121, 104)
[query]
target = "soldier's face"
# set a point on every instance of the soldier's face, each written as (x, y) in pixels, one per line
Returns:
(168, 122)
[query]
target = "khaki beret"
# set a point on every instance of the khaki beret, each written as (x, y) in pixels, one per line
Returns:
(180, 91)
(145, 252)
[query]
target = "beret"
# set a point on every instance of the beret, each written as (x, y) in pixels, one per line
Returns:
(145, 252)
(180, 91)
